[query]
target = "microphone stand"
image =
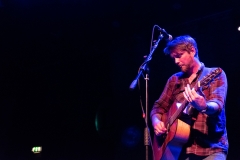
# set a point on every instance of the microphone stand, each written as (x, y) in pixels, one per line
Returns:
(144, 68)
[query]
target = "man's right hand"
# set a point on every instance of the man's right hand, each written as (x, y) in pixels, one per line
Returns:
(158, 125)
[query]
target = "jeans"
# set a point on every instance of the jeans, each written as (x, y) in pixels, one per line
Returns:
(214, 156)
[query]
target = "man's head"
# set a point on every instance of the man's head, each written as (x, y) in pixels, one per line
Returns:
(184, 51)
(183, 43)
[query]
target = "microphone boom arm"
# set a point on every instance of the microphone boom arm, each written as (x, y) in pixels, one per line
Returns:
(143, 66)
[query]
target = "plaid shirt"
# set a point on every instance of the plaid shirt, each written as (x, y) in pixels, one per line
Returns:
(208, 132)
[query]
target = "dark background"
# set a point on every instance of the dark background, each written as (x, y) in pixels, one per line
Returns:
(66, 67)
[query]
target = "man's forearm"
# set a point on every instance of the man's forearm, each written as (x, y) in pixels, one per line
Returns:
(156, 117)
(212, 107)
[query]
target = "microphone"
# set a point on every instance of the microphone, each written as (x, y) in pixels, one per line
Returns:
(165, 35)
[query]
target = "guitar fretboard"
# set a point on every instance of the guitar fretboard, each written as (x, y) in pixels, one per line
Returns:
(203, 82)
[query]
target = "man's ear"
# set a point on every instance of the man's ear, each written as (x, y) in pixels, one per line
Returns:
(193, 51)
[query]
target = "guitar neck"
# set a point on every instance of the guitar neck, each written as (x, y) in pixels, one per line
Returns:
(206, 79)
(177, 113)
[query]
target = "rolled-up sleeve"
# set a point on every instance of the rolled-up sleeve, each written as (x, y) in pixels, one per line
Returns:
(218, 90)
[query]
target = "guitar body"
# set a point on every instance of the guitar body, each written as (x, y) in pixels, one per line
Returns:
(169, 146)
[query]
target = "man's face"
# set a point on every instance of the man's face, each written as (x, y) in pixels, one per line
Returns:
(183, 59)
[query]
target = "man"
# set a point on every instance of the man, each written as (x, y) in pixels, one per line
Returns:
(204, 109)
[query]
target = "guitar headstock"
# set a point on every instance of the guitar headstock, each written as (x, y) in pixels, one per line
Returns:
(210, 76)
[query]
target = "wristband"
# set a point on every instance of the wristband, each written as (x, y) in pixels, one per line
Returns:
(205, 110)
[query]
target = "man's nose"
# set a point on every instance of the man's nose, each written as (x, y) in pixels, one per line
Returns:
(176, 60)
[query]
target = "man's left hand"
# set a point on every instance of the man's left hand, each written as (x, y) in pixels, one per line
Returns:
(194, 98)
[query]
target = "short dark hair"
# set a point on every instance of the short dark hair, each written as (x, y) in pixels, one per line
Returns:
(185, 43)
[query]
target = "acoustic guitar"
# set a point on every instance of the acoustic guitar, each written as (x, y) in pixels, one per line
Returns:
(169, 145)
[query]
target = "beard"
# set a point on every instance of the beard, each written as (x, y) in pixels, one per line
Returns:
(185, 68)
